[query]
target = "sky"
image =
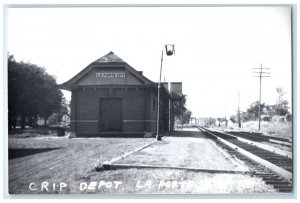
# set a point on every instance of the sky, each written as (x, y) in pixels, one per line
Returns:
(216, 48)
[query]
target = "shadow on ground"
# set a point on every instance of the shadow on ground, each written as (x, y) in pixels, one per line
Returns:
(16, 153)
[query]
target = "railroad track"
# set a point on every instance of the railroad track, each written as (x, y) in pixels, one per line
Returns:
(259, 137)
(274, 169)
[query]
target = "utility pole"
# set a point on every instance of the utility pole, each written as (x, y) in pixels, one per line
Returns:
(181, 113)
(261, 74)
(239, 115)
(225, 116)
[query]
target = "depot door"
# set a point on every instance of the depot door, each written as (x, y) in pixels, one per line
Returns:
(110, 118)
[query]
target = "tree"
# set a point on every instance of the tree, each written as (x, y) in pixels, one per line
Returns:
(281, 108)
(51, 98)
(186, 117)
(13, 77)
(219, 121)
(56, 117)
(211, 121)
(245, 117)
(64, 109)
(232, 119)
(22, 100)
(31, 92)
(179, 107)
(280, 93)
(253, 110)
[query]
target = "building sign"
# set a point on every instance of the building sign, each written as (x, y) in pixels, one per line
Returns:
(110, 75)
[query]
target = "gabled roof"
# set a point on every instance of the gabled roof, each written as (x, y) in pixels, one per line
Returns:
(109, 59)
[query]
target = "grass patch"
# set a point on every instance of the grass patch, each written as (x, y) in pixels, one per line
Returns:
(277, 129)
(74, 159)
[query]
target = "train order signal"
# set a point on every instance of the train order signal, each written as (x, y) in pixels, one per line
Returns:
(170, 51)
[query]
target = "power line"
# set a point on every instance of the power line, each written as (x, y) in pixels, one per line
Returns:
(261, 73)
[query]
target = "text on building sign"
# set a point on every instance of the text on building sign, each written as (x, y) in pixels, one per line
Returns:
(110, 75)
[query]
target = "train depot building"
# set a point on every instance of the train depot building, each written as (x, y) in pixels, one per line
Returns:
(110, 98)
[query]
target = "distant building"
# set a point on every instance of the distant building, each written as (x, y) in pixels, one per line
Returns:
(65, 120)
(277, 118)
(109, 97)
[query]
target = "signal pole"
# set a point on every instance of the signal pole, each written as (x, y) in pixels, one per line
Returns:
(169, 53)
(261, 74)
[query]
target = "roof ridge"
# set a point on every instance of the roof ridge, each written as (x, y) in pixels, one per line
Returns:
(110, 57)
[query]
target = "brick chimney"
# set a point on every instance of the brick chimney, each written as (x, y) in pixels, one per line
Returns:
(166, 85)
(176, 88)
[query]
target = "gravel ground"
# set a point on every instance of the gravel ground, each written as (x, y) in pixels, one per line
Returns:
(184, 152)
(69, 167)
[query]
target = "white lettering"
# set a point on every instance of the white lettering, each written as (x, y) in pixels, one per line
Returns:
(175, 184)
(102, 183)
(44, 186)
(92, 186)
(82, 186)
(162, 184)
(99, 185)
(110, 75)
(138, 184)
(62, 185)
(117, 183)
(182, 184)
(108, 184)
(32, 186)
(148, 184)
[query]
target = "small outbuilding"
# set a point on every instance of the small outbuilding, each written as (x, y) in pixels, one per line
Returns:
(110, 98)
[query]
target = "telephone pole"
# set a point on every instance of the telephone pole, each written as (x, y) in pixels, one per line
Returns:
(261, 74)
(239, 115)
